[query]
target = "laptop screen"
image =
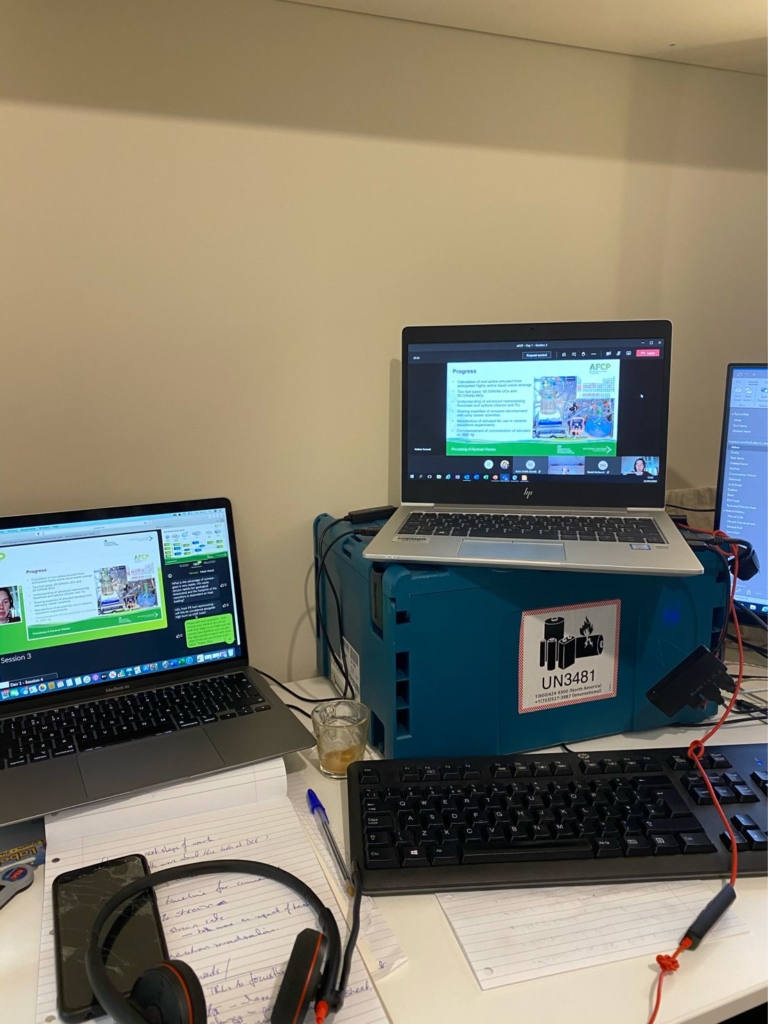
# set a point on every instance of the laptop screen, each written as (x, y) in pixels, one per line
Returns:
(573, 416)
(104, 597)
(741, 507)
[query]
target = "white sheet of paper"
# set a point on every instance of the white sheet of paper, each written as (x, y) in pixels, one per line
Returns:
(236, 931)
(511, 935)
(378, 945)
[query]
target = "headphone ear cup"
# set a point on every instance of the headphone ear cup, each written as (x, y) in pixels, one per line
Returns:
(170, 993)
(302, 977)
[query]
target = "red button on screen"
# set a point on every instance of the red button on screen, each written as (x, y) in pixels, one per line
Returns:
(648, 352)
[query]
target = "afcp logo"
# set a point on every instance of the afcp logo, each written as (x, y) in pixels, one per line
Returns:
(599, 367)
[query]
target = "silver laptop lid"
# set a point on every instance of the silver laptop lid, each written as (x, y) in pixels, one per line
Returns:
(561, 414)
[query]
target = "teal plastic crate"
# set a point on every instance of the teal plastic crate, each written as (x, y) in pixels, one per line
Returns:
(435, 652)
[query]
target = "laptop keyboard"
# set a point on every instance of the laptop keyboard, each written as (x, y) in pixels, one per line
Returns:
(510, 526)
(70, 730)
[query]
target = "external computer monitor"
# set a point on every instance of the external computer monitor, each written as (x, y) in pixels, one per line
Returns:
(741, 486)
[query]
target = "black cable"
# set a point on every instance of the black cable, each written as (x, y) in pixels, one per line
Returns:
(358, 531)
(296, 696)
(688, 508)
(301, 711)
(751, 647)
(352, 940)
(748, 611)
(567, 749)
(320, 621)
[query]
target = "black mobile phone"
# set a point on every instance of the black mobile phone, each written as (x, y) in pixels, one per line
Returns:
(134, 937)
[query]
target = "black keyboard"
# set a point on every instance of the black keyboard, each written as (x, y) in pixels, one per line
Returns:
(509, 526)
(554, 819)
(101, 723)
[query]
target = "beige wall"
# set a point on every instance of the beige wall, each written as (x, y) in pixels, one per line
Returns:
(215, 219)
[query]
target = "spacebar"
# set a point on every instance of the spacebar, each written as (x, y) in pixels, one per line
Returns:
(532, 849)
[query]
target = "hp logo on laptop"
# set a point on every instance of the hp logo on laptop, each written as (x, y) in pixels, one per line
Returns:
(527, 493)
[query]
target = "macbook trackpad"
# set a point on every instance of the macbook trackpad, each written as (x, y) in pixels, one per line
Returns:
(513, 550)
(145, 763)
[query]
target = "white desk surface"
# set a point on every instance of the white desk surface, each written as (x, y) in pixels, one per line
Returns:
(718, 981)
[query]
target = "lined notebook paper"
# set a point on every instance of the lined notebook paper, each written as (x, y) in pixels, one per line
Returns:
(378, 946)
(514, 935)
(236, 931)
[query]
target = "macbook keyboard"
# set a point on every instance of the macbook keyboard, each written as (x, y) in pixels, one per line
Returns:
(79, 727)
(513, 526)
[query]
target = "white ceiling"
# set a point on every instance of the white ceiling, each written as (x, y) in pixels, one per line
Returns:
(728, 34)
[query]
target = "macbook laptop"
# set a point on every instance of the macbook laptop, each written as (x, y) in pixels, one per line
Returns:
(123, 656)
(536, 445)
(740, 509)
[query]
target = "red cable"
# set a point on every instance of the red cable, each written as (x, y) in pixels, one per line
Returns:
(669, 964)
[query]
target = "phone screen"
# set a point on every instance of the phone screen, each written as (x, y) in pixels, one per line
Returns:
(135, 941)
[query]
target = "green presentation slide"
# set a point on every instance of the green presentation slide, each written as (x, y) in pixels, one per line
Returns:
(81, 589)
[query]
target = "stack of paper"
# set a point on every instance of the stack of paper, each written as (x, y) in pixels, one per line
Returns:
(236, 931)
(511, 935)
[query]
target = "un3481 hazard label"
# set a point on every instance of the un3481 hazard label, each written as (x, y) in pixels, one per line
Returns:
(568, 655)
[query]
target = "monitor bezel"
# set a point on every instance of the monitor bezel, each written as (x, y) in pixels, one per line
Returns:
(60, 698)
(539, 492)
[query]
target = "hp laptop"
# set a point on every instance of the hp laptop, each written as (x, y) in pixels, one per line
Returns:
(740, 509)
(123, 657)
(539, 445)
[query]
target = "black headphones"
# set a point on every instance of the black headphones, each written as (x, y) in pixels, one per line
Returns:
(171, 993)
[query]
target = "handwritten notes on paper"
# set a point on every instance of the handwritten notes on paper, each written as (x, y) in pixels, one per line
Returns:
(236, 931)
(514, 935)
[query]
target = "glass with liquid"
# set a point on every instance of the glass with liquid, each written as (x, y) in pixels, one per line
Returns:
(341, 731)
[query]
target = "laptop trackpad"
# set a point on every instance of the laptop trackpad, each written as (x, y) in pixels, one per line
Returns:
(513, 550)
(146, 763)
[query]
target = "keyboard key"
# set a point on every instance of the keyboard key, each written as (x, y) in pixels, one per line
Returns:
(607, 846)
(414, 857)
(696, 842)
(368, 776)
(381, 857)
(717, 761)
(741, 842)
(669, 825)
(375, 821)
(743, 821)
(522, 850)
(724, 795)
(745, 795)
(663, 844)
(756, 839)
(761, 778)
(378, 839)
(701, 795)
(636, 846)
(446, 854)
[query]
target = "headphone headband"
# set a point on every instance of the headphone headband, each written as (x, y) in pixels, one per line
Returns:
(114, 1003)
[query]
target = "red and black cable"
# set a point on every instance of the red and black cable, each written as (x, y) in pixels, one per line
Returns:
(719, 903)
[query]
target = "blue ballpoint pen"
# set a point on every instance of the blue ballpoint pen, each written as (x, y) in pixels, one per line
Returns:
(321, 817)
